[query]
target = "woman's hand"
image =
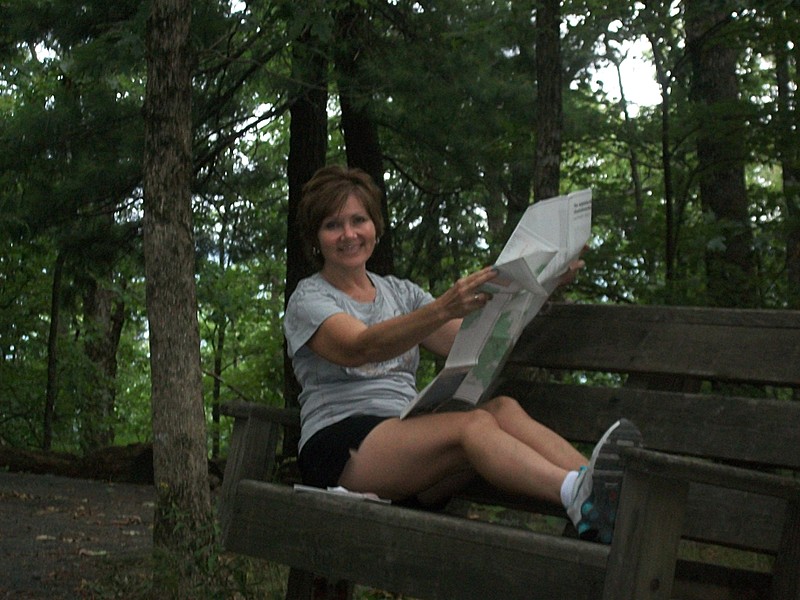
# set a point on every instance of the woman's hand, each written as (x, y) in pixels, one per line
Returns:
(465, 295)
(571, 273)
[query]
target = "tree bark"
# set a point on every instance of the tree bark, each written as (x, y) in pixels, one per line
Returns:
(104, 316)
(730, 270)
(220, 319)
(670, 233)
(183, 515)
(362, 144)
(308, 142)
(788, 143)
(52, 353)
(547, 174)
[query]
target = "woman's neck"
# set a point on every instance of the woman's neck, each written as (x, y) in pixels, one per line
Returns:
(356, 283)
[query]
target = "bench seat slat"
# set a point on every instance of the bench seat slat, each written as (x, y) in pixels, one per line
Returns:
(422, 554)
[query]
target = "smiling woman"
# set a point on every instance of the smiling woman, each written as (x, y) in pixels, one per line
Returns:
(354, 339)
(336, 199)
(346, 238)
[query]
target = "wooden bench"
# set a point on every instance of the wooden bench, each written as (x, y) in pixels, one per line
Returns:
(716, 393)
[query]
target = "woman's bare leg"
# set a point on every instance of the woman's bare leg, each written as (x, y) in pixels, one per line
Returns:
(513, 419)
(399, 459)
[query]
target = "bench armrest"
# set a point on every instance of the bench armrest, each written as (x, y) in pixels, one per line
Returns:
(651, 519)
(288, 417)
(695, 470)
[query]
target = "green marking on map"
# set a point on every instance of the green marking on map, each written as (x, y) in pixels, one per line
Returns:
(495, 349)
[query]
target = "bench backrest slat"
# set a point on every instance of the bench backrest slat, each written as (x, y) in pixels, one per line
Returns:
(756, 346)
(759, 431)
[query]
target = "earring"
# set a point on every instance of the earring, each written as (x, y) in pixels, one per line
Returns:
(315, 251)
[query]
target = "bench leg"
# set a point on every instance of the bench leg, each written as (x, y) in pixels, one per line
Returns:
(251, 456)
(307, 586)
(641, 565)
(786, 577)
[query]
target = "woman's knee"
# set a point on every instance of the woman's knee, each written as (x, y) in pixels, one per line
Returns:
(502, 405)
(479, 421)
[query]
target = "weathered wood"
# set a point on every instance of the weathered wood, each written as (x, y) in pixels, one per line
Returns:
(251, 456)
(702, 471)
(705, 581)
(408, 551)
(755, 346)
(708, 474)
(760, 431)
(729, 517)
(786, 580)
(287, 417)
(644, 550)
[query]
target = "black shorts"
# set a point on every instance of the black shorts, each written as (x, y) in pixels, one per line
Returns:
(324, 456)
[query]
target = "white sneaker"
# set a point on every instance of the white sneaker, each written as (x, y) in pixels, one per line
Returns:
(595, 495)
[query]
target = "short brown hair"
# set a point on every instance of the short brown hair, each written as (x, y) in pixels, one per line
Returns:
(325, 194)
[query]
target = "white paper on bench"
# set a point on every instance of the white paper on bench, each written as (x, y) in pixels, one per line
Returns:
(340, 491)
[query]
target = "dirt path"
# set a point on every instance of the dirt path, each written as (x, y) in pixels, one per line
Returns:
(59, 534)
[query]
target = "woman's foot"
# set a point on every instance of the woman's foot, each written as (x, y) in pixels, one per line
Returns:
(593, 509)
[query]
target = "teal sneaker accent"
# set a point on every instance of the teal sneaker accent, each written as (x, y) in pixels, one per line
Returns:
(593, 509)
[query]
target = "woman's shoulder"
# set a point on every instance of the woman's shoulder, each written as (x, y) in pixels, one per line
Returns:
(402, 288)
(394, 282)
(308, 286)
(313, 283)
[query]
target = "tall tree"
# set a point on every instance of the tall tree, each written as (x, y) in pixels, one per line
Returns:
(308, 145)
(183, 516)
(52, 353)
(712, 46)
(104, 316)
(788, 139)
(656, 29)
(548, 107)
(362, 145)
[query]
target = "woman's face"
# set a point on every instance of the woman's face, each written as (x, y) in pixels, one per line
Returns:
(347, 238)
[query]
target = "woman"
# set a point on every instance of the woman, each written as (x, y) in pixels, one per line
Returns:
(354, 338)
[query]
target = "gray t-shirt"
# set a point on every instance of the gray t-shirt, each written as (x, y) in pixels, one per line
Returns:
(331, 392)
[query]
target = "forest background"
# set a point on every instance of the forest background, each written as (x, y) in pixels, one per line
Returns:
(464, 112)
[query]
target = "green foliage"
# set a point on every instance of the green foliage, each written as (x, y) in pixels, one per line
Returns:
(24, 298)
(452, 88)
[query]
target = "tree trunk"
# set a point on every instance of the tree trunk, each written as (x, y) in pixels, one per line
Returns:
(670, 233)
(546, 178)
(788, 143)
(220, 328)
(308, 142)
(104, 316)
(183, 525)
(361, 140)
(52, 353)
(730, 276)
(519, 190)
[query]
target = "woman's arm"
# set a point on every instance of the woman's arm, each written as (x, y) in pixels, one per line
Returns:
(441, 341)
(347, 341)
